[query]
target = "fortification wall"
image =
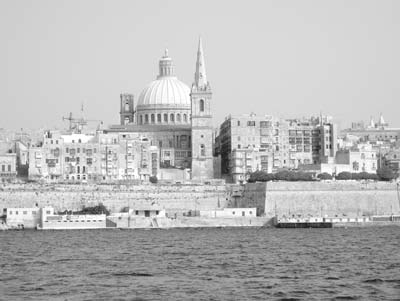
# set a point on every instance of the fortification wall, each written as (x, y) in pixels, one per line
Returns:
(172, 198)
(338, 198)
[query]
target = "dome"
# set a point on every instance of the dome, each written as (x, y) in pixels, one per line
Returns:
(166, 91)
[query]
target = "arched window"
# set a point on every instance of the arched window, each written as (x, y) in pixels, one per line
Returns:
(184, 118)
(165, 117)
(153, 119)
(172, 117)
(158, 118)
(201, 105)
(127, 107)
(178, 117)
(146, 118)
(141, 119)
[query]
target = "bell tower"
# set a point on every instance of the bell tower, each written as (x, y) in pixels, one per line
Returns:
(202, 131)
(127, 111)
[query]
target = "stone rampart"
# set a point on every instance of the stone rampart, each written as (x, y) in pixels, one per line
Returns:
(336, 198)
(172, 198)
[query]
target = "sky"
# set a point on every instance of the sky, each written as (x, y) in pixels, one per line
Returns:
(283, 58)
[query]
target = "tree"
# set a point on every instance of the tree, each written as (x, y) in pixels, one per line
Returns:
(344, 175)
(386, 174)
(324, 176)
(153, 179)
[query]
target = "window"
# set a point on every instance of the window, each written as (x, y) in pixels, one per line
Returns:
(238, 123)
(202, 150)
(25, 212)
(127, 107)
(9, 168)
(184, 118)
(251, 123)
(201, 105)
(165, 117)
(141, 119)
(158, 117)
(153, 120)
(172, 117)
(146, 118)
(178, 117)
(33, 212)
(3, 168)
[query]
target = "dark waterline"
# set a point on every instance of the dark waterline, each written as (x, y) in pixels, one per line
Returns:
(201, 264)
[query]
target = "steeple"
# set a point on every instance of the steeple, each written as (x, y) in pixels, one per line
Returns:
(372, 123)
(200, 77)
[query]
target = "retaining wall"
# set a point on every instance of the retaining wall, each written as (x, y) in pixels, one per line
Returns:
(172, 198)
(336, 198)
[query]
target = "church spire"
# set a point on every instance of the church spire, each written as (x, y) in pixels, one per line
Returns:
(200, 78)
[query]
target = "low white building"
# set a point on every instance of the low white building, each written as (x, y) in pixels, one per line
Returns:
(229, 212)
(22, 218)
(52, 221)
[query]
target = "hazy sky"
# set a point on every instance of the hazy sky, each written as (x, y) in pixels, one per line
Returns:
(284, 58)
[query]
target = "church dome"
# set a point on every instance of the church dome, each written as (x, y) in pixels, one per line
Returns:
(166, 91)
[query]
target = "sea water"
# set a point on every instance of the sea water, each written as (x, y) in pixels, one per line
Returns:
(201, 264)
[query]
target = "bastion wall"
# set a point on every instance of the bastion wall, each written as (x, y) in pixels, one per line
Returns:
(172, 198)
(336, 198)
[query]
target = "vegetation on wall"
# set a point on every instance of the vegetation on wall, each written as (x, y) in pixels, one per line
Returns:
(357, 176)
(383, 174)
(386, 174)
(286, 175)
(324, 176)
(99, 209)
(153, 179)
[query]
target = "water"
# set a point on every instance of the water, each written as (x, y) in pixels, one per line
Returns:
(201, 264)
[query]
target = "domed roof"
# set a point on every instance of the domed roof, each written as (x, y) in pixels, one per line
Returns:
(166, 90)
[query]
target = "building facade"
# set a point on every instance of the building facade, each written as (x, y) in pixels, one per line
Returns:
(269, 143)
(93, 157)
(8, 166)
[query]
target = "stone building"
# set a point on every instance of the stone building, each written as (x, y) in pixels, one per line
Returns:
(8, 165)
(175, 118)
(93, 157)
(360, 158)
(275, 143)
(374, 131)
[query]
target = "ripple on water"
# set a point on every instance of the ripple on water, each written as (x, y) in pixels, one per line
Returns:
(201, 264)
